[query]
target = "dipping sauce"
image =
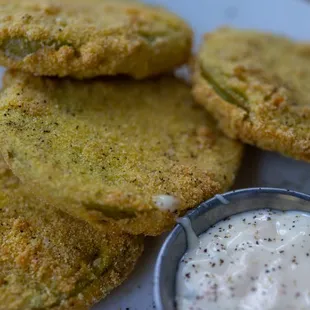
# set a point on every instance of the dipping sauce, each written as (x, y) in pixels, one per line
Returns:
(257, 260)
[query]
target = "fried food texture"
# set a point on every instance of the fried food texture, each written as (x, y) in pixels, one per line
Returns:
(84, 39)
(49, 260)
(257, 86)
(134, 153)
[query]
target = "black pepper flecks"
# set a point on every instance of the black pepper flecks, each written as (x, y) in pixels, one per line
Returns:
(225, 249)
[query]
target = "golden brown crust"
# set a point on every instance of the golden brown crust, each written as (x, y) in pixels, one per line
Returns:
(105, 150)
(256, 93)
(49, 260)
(83, 39)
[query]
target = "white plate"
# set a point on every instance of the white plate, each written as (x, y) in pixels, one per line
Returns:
(290, 17)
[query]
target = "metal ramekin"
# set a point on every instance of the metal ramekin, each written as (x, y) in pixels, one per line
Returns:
(207, 214)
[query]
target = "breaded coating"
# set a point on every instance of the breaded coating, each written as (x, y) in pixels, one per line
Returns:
(50, 260)
(257, 86)
(88, 38)
(134, 153)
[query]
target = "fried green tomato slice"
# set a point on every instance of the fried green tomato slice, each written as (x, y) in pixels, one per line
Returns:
(257, 86)
(88, 38)
(134, 153)
(50, 260)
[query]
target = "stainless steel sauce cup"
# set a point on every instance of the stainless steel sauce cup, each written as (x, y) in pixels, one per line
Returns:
(207, 214)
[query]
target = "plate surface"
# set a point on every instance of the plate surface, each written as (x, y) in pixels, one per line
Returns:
(290, 17)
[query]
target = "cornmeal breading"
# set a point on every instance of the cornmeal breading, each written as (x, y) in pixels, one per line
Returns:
(88, 38)
(121, 151)
(50, 260)
(257, 86)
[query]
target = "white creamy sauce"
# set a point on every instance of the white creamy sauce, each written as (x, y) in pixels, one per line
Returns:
(166, 202)
(192, 239)
(222, 199)
(257, 260)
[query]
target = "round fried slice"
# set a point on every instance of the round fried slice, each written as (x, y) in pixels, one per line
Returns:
(87, 38)
(137, 154)
(50, 260)
(257, 86)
